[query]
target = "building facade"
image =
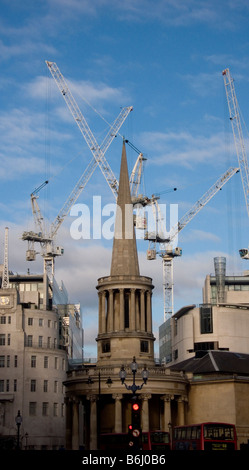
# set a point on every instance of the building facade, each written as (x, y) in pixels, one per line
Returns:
(221, 322)
(33, 364)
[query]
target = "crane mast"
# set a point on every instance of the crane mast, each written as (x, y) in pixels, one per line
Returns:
(5, 279)
(234, 116)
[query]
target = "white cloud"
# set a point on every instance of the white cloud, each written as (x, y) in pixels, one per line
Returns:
(183, 148)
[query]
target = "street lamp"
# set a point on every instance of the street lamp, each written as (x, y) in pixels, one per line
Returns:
(133, 387)
(18, 423)
(108, 383)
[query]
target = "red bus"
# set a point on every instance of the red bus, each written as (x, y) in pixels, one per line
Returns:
(158, 441)
(205, 436)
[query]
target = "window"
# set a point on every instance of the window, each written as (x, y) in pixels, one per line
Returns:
(30, 321)
(32, 408)
(144, 346)
(30, 340)
(9, 319)
(2, 361)
(1, 385)
(55, 409)
(45, 362)
(8, 341)
(33, 361)
(2, 340)
(3, 320)
(40, 341)
(15, 361)
(8, 361)
(15, 385)
(106, 347)
(206, 346)
(206, 319)
(40, 321)
(175, 327)
(45, 408)
(7, 385)
(33, 385)
(56, 362)
(45, 385)
(49, 342)
(55, 386)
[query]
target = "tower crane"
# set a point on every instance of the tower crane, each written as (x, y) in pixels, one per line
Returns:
(167, 250)
(5, 278)
(97, 151)
(46, 240)
(238, 140)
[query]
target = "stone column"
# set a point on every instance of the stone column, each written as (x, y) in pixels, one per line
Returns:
(166, 413)
(142, 310)
(110, 312)
(118, 412)
(148, 311)
(133, 310)
(145, 411)
(121, 294)
(100, 312)
(93, 421)
(68, 403)
(103, 316)
(181, 418)
(138, 310)
(75, 425)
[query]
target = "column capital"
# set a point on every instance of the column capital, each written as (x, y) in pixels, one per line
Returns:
(182, 398)
(92, 397)
(145, 396)
(167, 397)
(117, 396)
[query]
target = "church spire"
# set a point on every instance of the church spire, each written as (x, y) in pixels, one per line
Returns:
(124, 252)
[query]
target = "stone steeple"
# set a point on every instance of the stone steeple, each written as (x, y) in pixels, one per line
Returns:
(125, 316)
(124, 253)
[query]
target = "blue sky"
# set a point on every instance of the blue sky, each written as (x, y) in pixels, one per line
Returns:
(165, 59)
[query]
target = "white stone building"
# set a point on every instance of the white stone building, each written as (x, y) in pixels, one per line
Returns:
(221, 322)
(33, 364)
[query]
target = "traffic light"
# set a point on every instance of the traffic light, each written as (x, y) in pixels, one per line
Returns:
(134, 429)
(135, 415)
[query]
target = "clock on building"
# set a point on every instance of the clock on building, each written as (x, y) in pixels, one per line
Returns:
(4, 300)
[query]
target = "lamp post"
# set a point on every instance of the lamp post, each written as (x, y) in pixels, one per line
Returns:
(18, 423)
(108, 383)
(134, 367)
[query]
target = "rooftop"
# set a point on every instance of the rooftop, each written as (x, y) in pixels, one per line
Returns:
(215, 361)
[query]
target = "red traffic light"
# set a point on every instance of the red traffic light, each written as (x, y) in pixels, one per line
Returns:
(130, 427)
(135, 406)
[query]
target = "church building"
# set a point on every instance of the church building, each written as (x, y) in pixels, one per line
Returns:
(124, 336)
